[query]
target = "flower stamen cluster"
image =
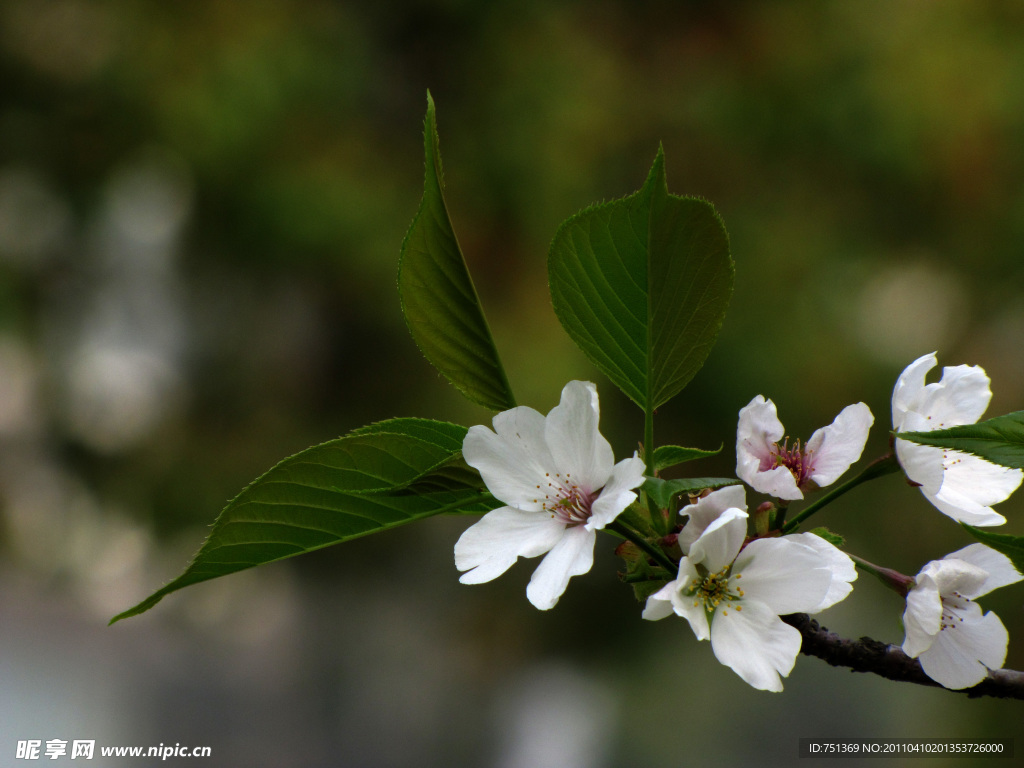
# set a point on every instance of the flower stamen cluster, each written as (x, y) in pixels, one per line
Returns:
(799, 460)
(713, 589)
(952, 605)
(566, 501)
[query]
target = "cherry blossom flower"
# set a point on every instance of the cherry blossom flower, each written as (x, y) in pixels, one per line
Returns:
(557, 476)
(946, 630)
(786, 471)
(734, 594)
(960, 485)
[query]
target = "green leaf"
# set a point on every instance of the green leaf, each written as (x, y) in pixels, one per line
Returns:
(999, 440)
(661, 492)
(374, 479)
(642, 284)
(1011, 546)
(832, 538)
(666, 456)
(439, 300)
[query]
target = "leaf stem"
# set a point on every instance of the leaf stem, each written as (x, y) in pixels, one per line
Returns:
(881, 466)
(649, 549)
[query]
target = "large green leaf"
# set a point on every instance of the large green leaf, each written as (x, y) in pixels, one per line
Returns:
(642, 284)
(374, 479)
(999, 440)
(1011, 546)
(439, 301)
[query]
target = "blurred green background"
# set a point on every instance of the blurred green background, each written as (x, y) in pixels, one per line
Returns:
(201, 208)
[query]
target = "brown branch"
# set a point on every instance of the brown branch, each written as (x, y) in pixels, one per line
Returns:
(890, 662)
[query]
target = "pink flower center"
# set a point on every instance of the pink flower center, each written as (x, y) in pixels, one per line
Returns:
(797, 460)
(567, 501)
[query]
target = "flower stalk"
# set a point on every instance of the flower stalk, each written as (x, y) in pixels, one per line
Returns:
(898, 582)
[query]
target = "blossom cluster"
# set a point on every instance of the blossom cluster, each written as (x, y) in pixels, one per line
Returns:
(559, 483)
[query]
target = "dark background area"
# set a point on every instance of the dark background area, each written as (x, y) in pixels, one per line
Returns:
(201, 209)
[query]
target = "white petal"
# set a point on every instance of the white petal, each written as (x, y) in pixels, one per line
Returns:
(966, 511)
(778, 482)
(983, 481)
(786, 576)
(571, 556)
(909, 387)
(659, 605)
(954, 575)
(758, 431)
(922, 465)
(970, 484)
(963, 653)
(617, 493)
(834, 448)
(490, 546)
(513, 460)
(708, 509)
(755, 643)
(999, 567)
(571, 432)
(718, 546)
(689, 607)
(840, 565)
(960, 397)
(923, 615)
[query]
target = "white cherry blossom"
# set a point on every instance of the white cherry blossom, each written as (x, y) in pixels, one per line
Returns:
(960, 485)
(557, 476)
(734, 594)
(946, 630)
(785, 470)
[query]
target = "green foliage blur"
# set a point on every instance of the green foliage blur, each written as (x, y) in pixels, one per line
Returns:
(201, 209)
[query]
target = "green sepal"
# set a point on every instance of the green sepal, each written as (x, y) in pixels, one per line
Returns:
(634, 517)
(644, 589)
(640, 573)
(832, 538)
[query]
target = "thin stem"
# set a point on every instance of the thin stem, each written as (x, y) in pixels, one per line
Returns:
(651, 551)
(884, 465)
(898, 582)
(659, 521)
(649, 441)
